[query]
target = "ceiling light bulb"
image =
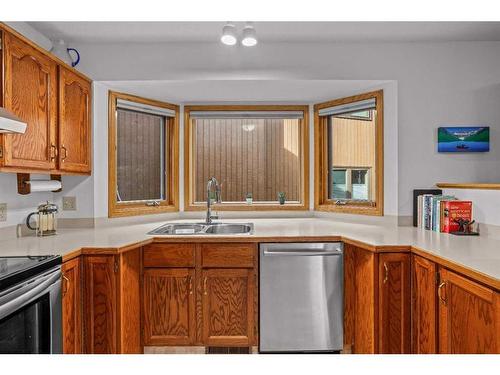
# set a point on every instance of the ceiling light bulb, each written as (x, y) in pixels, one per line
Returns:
(229, 35)
(248, 127)
(249, 36)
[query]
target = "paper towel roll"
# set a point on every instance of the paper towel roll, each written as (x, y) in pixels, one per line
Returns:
(48, 185)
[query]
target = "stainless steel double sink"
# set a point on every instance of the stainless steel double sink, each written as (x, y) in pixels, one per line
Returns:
(203, 229)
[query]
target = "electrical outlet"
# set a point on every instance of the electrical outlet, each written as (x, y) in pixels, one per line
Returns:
(3, 211)
(69, 203)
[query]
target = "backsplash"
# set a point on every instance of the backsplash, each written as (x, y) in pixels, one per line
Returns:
(19, 206)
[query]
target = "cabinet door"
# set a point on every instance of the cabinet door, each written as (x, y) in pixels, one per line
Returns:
(360, 314)
(424, 307)
(74, 122)
(169, 306)
(394, 303)
(31, 93)
(469, 316)
(72, 307)
(228, 304)
(100, 304)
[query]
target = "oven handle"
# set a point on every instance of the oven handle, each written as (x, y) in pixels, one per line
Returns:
(28, 293)
(301, 253)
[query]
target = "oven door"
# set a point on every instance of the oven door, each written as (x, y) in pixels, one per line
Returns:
(30, 315)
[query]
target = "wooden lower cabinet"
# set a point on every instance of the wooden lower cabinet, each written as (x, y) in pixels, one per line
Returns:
(394, 303)
(469, 316)
(228, 300)
(360, 303)
(376, 301)
(201, 294)
(112, 303)
(169, 306)
(424, 306)
(100, 303)
(72, 307)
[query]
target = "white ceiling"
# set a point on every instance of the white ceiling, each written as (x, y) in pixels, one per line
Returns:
(276, 91)
(149, 32)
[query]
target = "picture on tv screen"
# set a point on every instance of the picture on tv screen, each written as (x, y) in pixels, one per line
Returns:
(464, 139)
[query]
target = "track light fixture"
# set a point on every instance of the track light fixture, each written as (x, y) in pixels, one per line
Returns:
(249, 36)
(229, 35)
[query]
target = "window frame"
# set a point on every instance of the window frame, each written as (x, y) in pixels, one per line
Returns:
(171, 149)
(190, 205)
(321, 199)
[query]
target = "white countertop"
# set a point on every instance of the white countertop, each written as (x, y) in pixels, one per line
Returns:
(481, 254)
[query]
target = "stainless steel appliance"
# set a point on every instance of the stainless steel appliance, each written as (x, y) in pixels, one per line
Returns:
(30, 305)
(301, 297)
(47, 220)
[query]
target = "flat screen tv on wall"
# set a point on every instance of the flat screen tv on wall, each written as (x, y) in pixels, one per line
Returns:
(464, 139)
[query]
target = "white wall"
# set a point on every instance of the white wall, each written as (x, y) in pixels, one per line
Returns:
(100, 105)
(32, 34)
(447, 83)
(486, 203)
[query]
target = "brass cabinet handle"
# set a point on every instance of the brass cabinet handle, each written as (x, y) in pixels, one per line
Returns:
(65, 153)
(386, 277)
(66, 285)
(190, 284)
(443, 300)
(205, 286)
(53, 152)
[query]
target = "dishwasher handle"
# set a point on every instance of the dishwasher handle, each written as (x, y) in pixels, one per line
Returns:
(336, 252)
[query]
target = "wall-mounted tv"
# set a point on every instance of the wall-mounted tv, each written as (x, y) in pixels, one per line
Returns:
(464, 139)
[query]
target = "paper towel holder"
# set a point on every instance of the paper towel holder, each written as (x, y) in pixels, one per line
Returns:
(24, 188)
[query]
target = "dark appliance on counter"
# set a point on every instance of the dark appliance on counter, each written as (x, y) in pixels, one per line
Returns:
(30, 305)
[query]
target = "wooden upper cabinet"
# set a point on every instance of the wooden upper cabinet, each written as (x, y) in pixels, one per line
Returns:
(394, 303)
(74, 122)
(469, 316)
(424, 306)
(30, 91)
(169, 306)
(72, 307)
(228, 307)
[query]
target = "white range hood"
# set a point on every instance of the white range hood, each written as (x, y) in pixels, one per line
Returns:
(10, 123)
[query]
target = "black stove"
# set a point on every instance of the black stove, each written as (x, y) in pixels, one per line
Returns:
(14, 270)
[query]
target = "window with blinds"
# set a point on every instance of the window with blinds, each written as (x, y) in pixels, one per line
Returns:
(255, 154)
(349, 154)
(143, 156)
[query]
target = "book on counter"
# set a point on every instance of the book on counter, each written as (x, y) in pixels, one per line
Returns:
(433, 210)
(417, 203)
(436, 210)
(452, 210)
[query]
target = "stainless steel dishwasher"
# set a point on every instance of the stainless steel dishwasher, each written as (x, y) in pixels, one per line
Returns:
(301, 297)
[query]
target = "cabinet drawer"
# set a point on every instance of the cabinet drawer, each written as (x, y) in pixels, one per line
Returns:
(228, 255)
(169, 255)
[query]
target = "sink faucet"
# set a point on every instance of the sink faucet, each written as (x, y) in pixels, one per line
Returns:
(211, 182)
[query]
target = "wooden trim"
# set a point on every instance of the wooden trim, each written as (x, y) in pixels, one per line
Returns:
(116, 209)
(53, 57)
(477, 276)
(321, 201)
(471, 185)
(189, 204)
